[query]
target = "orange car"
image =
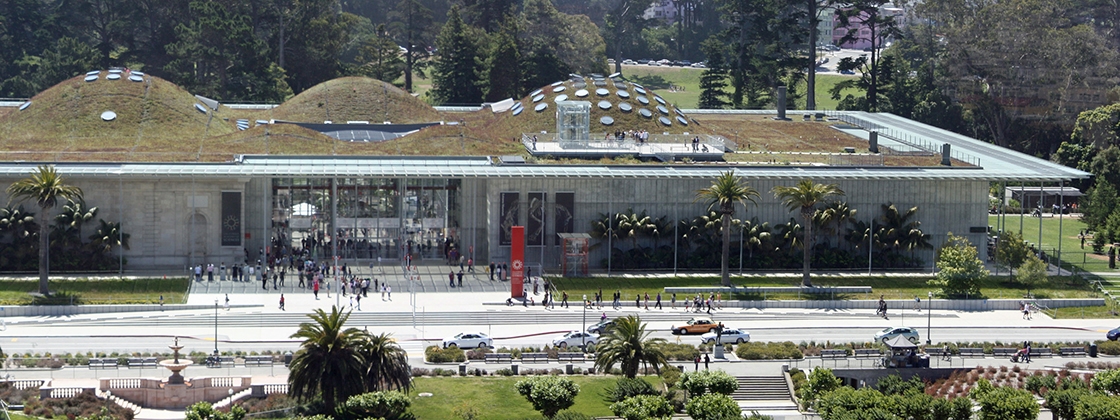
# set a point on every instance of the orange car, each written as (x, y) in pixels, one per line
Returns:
(696, 326)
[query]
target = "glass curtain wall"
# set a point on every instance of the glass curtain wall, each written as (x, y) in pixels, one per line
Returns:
(377, 217)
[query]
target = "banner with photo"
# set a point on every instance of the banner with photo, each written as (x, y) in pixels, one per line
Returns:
(534, 227)
(509, 203)
(564, 214)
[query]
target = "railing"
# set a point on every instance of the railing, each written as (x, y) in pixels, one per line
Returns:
(610, 142)
(905, 138)
(22, 384)
(124, 383)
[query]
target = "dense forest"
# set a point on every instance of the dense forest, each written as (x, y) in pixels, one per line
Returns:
(1017, 73)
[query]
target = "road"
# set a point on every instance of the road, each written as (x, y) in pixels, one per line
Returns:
(266, 328)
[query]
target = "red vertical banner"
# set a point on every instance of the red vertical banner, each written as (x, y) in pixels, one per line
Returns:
(517, 262)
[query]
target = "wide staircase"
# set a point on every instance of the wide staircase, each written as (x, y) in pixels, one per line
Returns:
(763, 393)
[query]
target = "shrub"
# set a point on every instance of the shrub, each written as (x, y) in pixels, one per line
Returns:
(713, 407)
(708, 381)
(768, 351)
(434, 354)
(571, 415)
(1111, 348)
(679, 352)
(1035, 383)
(418, 372)
(477, 354)
(504, 372)
(548, 394)
(643, 407)
(671, 375)
(388, 405)
(628, 387)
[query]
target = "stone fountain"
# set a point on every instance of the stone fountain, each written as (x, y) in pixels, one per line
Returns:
(175, 366)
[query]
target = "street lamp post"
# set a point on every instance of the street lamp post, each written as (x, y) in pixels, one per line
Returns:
(929, 317)
(215, 327)
(583, 332)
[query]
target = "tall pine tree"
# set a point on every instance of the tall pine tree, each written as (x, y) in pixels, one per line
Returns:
(504, 71)
(457, 68)
(714, 79)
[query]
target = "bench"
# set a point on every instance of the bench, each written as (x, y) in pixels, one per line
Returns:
(938, 351)
(141, 362)
(103, 363)
(1004, 352)
(571, 357)
(834, 354)
(222, 360)
(868, 354)
(534, 357)
(1042, 352)
(499, 358)
(970, 352)
(1072, 351)
(258, 360)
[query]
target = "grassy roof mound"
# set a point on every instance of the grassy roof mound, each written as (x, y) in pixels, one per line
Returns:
(152, 117)
(355, 99)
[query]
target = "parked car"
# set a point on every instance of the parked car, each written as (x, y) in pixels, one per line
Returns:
(888, 333)
(664, 61)
(601, 326)
(653, 63)
(686, 63)
(699, 65)
(1114, 334)
(575, 339)
(728, 336)
(610, 61)
(629, 62)
(642, 60)
(469, 340)
(696, 326)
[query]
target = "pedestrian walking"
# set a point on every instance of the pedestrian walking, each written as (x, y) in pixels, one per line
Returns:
(491, 271)
(209, 272)
(161, 302)
(460, 277)
(281, 301)
(638, 301)
(470, 265)
(564, 302)
(227, 301)
(673, 301)
(358, 299)
(383, 292)
(315, 288)
(706, 361)
(389, 290)
(451, 278)
(282, 272)
(647, 301)
(696, 368)
(658, 304)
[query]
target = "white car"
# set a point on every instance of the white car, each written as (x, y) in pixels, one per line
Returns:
(629, 62)
(888, 333)
(575, 339)
(469, 340)
(729, 336)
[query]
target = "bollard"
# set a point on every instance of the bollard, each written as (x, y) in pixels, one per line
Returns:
(515, 368)
(463, 369)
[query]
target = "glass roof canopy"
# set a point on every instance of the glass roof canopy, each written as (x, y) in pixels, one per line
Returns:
(996, 164)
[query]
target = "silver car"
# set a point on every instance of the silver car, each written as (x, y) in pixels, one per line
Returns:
(728, 336)
(575, 339)
(889, 333)
(468, 341)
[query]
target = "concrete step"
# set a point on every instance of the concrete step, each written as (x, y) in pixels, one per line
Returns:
(762, 388)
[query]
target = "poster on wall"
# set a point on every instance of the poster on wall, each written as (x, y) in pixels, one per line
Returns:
(508, 218)
(231, 218)
(564, 214)
(534, 227)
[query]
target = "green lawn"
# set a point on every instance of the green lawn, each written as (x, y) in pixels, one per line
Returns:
(659, 79)
(1072, 253)
(496, 398)
(98, 292)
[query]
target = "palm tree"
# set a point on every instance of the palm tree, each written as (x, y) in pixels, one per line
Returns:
(46, 187)
(725, 191)
(628, 345)
(386, 363)
(328, 363)
(804, 197)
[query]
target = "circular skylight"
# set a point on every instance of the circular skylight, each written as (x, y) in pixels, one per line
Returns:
(538, 97)
(662, 110)
(606, 120)
(604, 105)
(614, 75)
(581, 93)
(115, 71)
(682, 120)
(561, 98)
(113, 76)
(136, 78)
(579, 85)
(93, 72)
(535, 92)
(602, 92)
(91, 78)
(25, 105)
(625, 107)
(557, 83)
(643, 100)
(108, 115)
(620, 85)
(558, 89)
(639, 90)
(200, 108)
(540, 107)
(517, 111)
(665, 121)
(623, 94)
(645, 113)
(659, 100)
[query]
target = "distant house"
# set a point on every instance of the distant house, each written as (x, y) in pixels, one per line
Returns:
(663, 10)
(856, 24)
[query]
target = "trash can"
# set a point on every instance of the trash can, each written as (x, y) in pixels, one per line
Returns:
(516, 368)
(569, 369)
(287, 358)
(463, 369)
(1093, 350)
